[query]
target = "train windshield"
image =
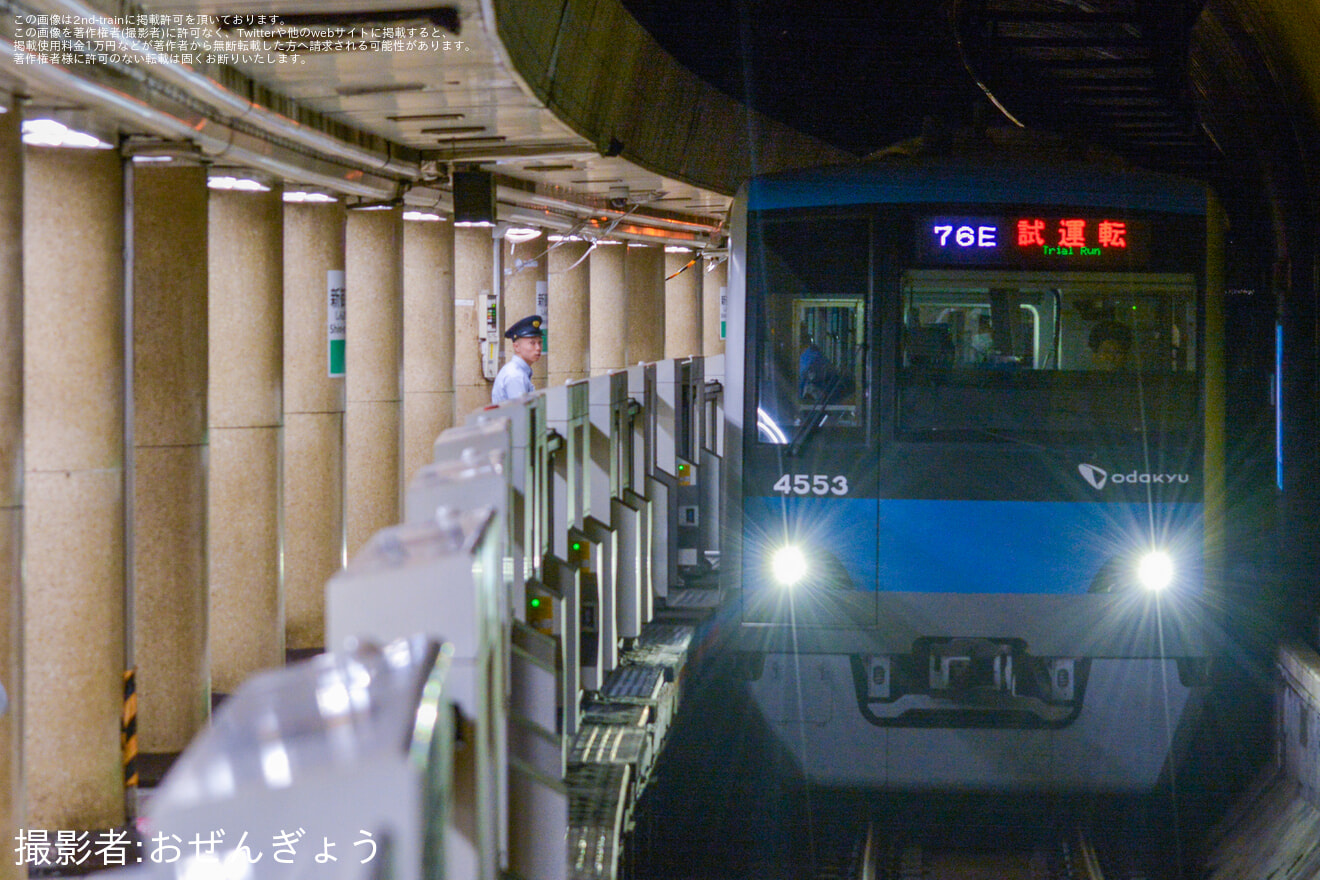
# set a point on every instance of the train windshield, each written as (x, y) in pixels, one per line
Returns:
(813, 328)
(1012, 353)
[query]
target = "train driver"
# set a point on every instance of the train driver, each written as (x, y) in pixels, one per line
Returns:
(1110, 343)
(515, 377)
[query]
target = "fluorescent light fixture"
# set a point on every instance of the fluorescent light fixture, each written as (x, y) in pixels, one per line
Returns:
(300, 196)
(241, 184)
(558, 237)
(151, 150)
(520, 234)
(424, 216)
(677, 249)
(49, 133)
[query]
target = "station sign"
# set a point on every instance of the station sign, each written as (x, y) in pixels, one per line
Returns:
(336, 323)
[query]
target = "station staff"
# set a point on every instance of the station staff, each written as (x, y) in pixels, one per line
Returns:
(515, 377)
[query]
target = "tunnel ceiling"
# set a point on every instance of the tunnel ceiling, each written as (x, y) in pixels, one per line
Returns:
(859, 76)
(1222, 90)
(644, 102)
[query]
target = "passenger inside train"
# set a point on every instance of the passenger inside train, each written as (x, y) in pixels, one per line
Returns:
(1110, 343)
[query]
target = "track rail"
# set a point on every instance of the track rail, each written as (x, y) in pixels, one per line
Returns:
(1068, 856)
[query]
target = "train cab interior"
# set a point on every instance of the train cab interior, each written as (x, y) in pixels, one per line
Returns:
(1019, 354)
(1007, 351)
(999, 320)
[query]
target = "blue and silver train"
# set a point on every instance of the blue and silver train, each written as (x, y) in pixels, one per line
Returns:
(975, 407)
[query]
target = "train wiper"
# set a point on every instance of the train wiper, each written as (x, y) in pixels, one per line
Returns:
(817, 415)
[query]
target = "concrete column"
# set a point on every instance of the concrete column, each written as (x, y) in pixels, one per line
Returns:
(246, 269)
(568, 357)
(373, 274)
(473, 261)
(682, 305)
(645, 275)
(520, 283)
(428, 339)
(169, 456)
(11, 479)
(713, 280)
(608, 323)
(73, 530)
(313, 421)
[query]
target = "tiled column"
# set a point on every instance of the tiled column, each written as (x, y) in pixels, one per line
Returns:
(73, 529)
(608, 321)
(568, 289)
(428, 339)
(373, 257)
(169, 457)
(520, 293)
(313, 420)
(682, 306)
(645, 276)
(246, 270)
(712, 282)
(11, 479)
(473, 260)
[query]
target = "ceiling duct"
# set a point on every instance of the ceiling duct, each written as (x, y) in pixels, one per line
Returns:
(212, 138)
(225, 104)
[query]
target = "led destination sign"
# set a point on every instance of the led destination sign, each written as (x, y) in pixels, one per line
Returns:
(1036, 240)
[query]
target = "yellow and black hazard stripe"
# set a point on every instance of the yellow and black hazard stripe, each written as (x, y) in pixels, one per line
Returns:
(128, 730)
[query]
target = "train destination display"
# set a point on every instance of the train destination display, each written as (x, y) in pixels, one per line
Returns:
(1034, 240)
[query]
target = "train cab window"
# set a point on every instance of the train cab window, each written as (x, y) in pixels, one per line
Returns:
(993, 328)
(1014, 353)
(810, 277)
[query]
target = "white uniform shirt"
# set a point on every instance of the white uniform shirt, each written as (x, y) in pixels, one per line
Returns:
(513, 380)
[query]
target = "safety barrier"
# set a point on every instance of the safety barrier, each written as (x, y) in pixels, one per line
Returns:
(506, 661)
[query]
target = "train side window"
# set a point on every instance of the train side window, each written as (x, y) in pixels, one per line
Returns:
(1147, 331)
(808, 296)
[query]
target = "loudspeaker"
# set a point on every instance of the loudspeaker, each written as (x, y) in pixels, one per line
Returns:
(474, 198)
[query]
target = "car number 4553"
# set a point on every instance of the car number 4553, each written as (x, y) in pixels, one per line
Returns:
(811, 484)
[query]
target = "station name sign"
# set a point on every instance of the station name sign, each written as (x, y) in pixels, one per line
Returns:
(1075, 240)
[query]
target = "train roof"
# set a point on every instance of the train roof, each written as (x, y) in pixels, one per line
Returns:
(901, 179)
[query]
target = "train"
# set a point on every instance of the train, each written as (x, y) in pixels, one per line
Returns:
(975, 414)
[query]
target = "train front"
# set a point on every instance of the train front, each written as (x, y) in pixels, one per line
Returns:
(980, 471)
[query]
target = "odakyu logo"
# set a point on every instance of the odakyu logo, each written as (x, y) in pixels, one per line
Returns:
(1098, 477)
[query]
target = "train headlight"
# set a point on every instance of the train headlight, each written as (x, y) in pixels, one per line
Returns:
(1155, 570)
(788, 565)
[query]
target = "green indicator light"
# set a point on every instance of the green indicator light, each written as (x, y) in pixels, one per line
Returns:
(577, 546)
(536, 603)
